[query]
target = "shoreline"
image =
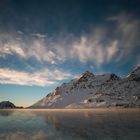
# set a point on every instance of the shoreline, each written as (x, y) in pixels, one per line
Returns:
(73, 109)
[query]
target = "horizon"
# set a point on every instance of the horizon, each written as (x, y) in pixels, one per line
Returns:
(47, 43)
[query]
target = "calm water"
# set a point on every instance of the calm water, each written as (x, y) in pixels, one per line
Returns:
(70, 125)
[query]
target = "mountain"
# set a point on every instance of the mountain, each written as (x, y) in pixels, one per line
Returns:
(7, 105)
(135, 74)
(92, 91)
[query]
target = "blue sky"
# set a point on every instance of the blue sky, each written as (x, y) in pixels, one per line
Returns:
(44, 43)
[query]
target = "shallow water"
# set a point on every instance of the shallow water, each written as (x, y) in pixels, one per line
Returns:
(96, 124)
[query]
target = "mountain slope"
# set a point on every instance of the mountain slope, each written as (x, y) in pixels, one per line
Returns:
(89, 91)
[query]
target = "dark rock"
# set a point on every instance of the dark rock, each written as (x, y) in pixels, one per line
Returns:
(8, 105)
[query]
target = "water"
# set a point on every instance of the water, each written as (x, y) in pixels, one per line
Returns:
(96, 124)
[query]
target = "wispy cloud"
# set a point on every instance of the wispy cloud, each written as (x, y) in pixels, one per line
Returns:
(92, 49)
(35, 49)
(89, 48)
(97, 47)
(128, 31)
(20, 32)
(38, 35)
(45, 77)
(101, 48)
(11, 48)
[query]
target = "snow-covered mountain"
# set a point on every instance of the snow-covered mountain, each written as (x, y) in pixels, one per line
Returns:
(92, 91)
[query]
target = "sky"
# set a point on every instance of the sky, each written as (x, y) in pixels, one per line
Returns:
(44, 43)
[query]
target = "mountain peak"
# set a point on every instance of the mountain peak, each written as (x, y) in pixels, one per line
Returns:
(87, 73)
(85, 76)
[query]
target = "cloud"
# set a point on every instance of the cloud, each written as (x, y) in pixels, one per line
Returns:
(89, 48)
(35, 49)
(11, 48)
(38, 35)
(128, 31)
(112, 49)
(45, 77)
(40, 52)
(20, 32)
(98, 47)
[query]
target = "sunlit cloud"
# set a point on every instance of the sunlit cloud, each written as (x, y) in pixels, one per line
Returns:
(35, 49)
(12, 48)
(45, 77)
